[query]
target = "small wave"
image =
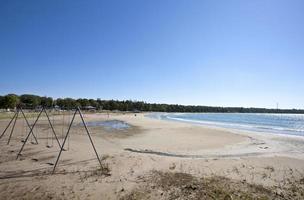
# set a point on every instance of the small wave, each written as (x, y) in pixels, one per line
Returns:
(255, 122)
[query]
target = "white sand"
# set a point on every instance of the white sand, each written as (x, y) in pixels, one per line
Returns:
(150, 144)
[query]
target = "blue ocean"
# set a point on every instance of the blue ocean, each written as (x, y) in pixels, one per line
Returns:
(291, 124)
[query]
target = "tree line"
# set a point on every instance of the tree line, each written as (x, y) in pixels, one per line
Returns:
(30, 101)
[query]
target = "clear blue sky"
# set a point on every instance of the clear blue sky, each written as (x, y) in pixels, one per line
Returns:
(218, 53)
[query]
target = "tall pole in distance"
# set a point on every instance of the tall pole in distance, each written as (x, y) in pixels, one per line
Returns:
(8, 125)
(66, 136)
(9, 139)
(15, 117)
(52, 127)
(28, 124)
(28, 135)
(87, 130)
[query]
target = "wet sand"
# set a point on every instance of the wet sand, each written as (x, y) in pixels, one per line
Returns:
(132, 154)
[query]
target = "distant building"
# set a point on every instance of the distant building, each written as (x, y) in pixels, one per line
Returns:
(89, 108)
(57, 108)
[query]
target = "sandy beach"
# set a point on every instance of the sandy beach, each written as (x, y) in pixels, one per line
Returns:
(152, 159)
(181, 100)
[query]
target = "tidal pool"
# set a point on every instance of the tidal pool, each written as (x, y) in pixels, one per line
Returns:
(110, 125)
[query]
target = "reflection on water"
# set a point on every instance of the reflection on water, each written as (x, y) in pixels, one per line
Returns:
(110, 125)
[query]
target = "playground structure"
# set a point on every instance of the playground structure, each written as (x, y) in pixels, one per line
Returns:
(15, 118)
(67, 134)
(32, 128)
(31, 132)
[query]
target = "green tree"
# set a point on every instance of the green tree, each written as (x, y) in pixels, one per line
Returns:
(1, 101)
(10, 101)
(30, 101)
(46, 102)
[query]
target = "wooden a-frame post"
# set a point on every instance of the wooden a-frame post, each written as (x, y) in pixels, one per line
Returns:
(31, 131)
(14, 118)
(67, 134)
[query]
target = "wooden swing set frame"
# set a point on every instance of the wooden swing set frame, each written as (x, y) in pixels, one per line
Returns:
(31, 132)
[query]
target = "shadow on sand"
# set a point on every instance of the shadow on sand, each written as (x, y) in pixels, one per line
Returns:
(47, 171)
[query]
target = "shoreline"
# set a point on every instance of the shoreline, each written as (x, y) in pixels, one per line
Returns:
(244, 143)
(132, 154)
(227, 125)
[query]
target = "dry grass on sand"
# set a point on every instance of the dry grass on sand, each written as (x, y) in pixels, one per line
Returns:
(176, 185)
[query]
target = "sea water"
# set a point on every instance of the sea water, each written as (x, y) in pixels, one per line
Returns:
(291, 124)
